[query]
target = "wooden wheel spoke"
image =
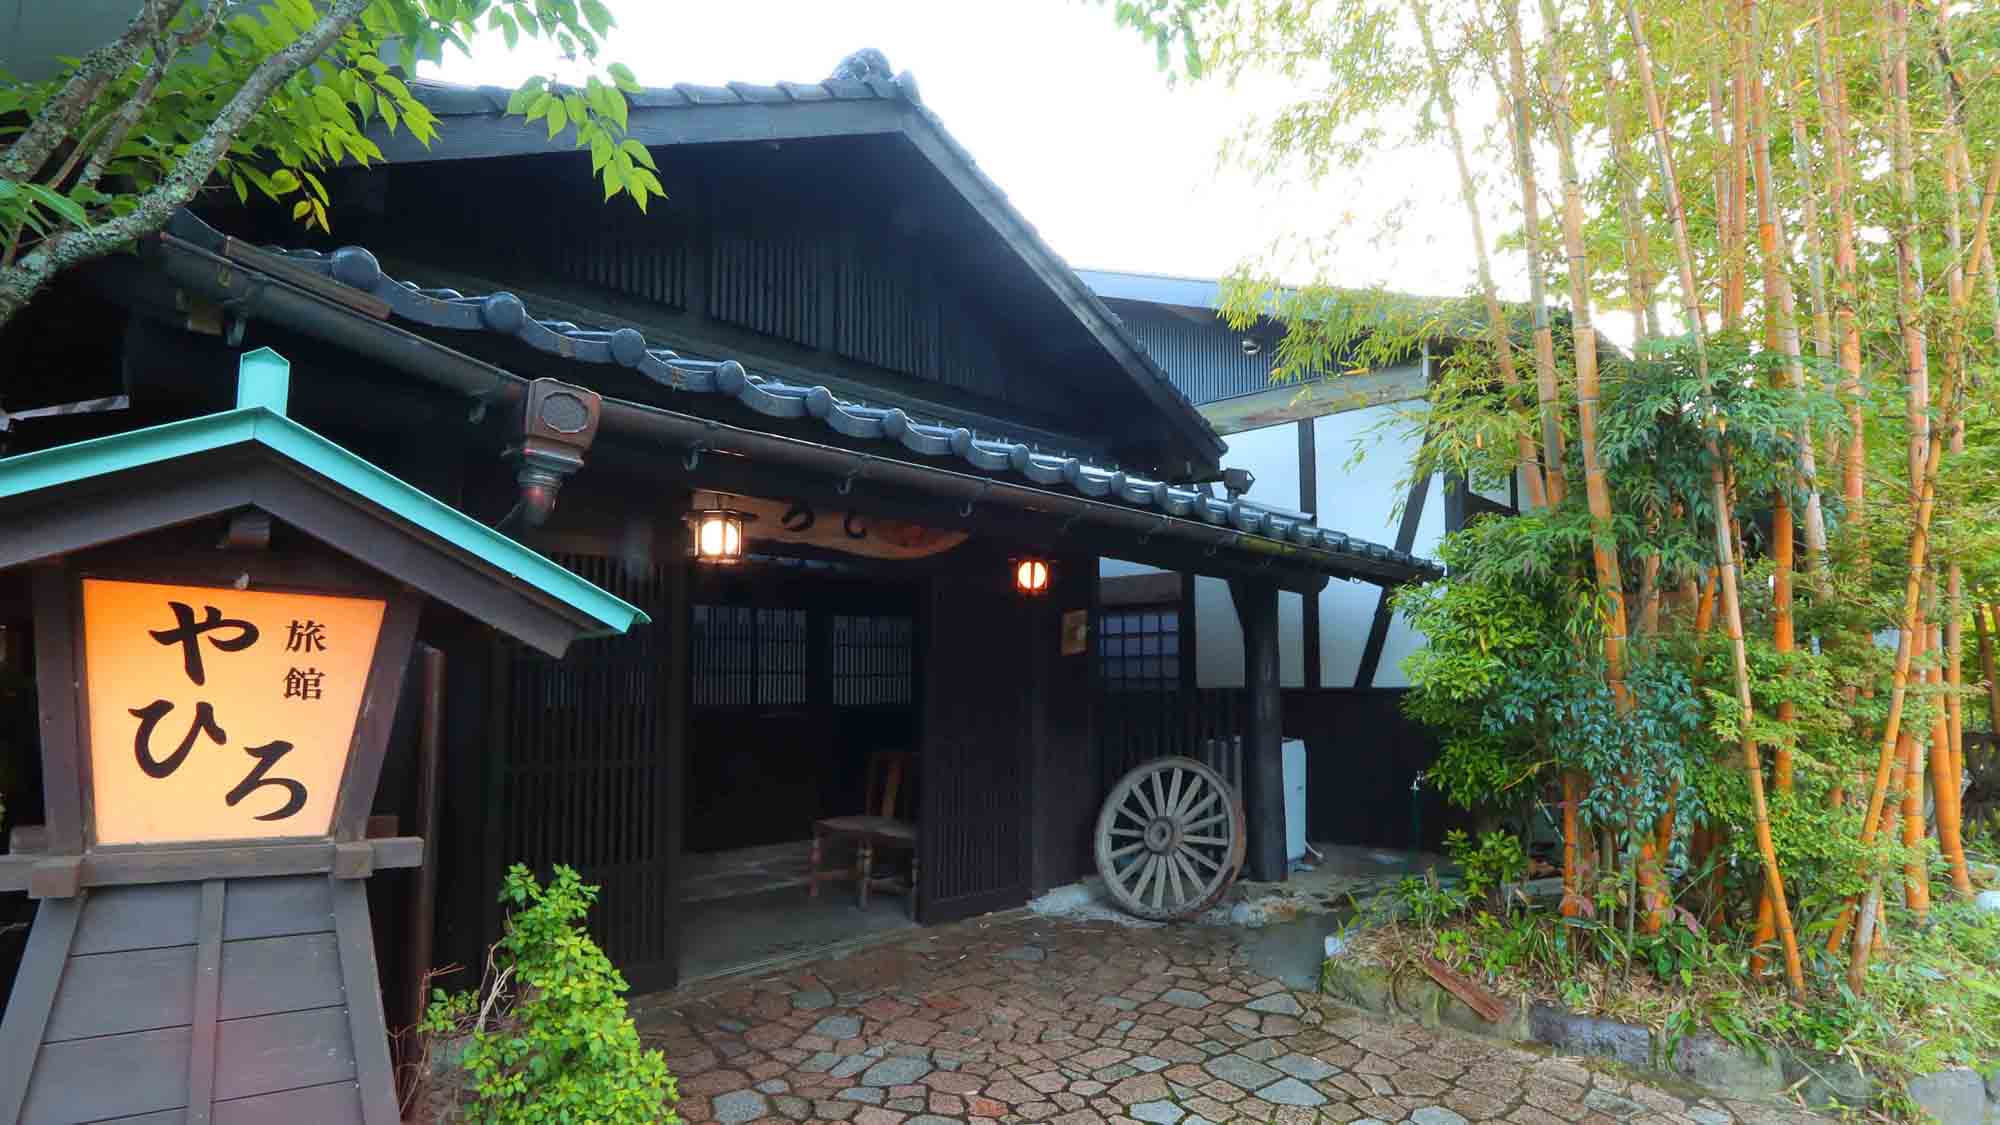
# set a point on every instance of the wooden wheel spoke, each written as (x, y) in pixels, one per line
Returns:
(1205, 802)
(1148, 867)
(1218, 840)
(1159, 882)
(1197, 825)
(1187, 799)
(1159, 795)
(1194, 877)
(1174, 873)
(1133, 872)
(1139, 794)
(1173, 804)
(1128, 849)
(1125, 831)
(1212, 865)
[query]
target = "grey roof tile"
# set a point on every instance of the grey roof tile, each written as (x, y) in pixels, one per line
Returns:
(504, 314)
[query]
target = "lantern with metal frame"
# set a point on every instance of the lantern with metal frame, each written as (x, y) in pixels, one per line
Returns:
(717, 534)
(1031, 577)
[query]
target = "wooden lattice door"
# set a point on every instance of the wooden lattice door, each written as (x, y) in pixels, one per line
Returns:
(973, 832)
(591, 747)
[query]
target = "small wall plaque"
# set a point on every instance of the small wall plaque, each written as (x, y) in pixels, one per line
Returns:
(1075, 632)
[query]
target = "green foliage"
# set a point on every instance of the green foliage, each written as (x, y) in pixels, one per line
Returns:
(1429, 902)
(548, 1037)
(1489, 865)
(266, 98)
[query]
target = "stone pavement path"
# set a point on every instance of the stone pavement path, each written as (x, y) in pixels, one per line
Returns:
(1024, 1019)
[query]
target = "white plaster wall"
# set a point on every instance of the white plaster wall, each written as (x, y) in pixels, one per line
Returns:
(1219, 640)
(1272, 454)
(1118, 568)
(1218, 637)
(1361, 499)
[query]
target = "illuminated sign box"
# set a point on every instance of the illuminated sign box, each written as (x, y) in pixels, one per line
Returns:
(220, 714)
(224, 611)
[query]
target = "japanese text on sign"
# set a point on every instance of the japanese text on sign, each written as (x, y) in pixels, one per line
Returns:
(220, 714)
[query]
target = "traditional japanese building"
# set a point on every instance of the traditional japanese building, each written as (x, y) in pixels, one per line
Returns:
(831, 415)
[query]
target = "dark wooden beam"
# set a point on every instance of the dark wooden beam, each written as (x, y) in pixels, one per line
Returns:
(1159, 588)
(1378, 630)
(1294, 401)
(1263, 756)
(1309, 504)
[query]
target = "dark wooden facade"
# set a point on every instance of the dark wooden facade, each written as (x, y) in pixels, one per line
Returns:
(871, 265)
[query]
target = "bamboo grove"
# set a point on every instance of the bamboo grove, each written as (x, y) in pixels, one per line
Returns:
(1737, 651)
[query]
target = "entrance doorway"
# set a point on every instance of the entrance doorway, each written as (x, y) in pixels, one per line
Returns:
(801, 673)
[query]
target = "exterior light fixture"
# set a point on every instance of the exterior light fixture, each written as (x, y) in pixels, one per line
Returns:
(718, 534)
(1031, 577)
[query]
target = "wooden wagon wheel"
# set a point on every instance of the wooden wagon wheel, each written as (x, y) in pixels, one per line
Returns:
(1169, 839)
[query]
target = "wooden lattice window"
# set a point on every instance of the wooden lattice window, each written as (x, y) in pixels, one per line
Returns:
(748, 656)
(871, 660)
(1139, 648)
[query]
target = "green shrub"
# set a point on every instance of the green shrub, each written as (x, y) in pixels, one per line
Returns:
(1490, 865)
(546, 1035)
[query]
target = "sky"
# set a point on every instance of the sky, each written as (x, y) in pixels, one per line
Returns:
(1068, 113)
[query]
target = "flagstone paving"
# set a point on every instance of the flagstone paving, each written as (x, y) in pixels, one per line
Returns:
(1026, 1019)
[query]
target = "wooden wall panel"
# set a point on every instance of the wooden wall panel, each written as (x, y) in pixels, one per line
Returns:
(113, 993)
(978, 773)
(69, 1083)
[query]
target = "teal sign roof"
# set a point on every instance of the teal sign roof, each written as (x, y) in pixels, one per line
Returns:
(262, 387)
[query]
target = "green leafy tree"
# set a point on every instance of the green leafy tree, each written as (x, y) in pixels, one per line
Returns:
(262, 98)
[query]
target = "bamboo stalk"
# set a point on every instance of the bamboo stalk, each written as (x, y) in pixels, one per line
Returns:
(1638, 245)
(1987, 666)
(1840, 199)
(1725, 556)
(1736, 242)
(1522, 136)
(1597, 491)
(1496, 320)
(1944, 795)
(1781, 319)
(1947, 768)
(1916, 877)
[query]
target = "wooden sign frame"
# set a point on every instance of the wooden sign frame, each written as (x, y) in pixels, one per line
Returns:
(334, 865)
(65, 719)
(231, 978)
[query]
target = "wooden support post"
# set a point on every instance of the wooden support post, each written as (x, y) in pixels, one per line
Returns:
(1263, 764)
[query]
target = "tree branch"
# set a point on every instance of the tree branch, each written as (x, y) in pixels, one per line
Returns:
(165, 48)
(178, 187)
(45, 133)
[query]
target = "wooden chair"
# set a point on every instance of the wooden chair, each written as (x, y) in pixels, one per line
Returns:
(885, 822)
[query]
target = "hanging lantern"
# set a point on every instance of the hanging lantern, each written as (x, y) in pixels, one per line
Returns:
(718, 535)
(1031, 577)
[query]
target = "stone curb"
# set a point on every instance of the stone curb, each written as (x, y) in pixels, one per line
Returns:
(1953, 1097)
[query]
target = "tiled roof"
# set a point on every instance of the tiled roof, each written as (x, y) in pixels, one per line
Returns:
(447, 100)
(504, 314)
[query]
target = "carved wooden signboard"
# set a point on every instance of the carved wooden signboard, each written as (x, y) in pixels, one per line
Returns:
(223, 611)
